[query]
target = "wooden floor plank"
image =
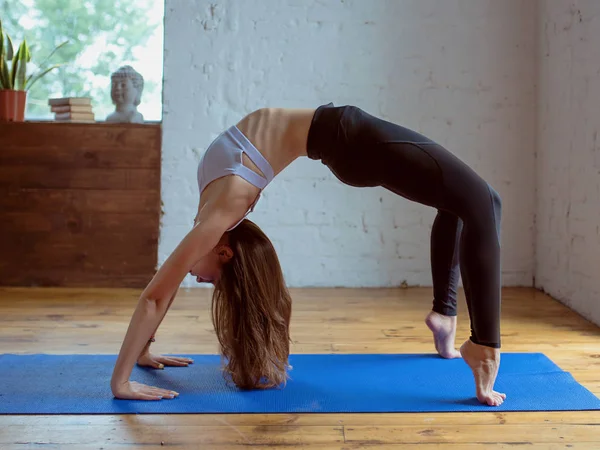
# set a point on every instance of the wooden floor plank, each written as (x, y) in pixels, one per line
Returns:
(58, 320)
(173, 446)
(509, 434)
(375, 419)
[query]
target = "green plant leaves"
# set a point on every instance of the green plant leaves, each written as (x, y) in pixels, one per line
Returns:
(20, 66)
(16, 77)
(6, 54)
(43, 63)
(13, 72)
(9, 50)
(32, 79)
(2, 56)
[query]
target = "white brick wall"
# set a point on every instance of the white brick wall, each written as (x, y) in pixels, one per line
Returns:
(568, 158)
(460, 72)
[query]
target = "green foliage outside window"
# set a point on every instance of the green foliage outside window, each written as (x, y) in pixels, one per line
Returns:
(102, 35)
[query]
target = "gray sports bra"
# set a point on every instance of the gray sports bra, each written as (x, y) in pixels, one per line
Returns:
(224, 157)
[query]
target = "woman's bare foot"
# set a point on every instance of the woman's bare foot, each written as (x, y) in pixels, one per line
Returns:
(484, 362)
(444, 333)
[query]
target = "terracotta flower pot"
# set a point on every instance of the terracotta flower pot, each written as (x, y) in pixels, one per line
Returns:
(12, 105)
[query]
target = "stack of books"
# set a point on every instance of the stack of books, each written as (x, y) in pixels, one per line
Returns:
(72, 109)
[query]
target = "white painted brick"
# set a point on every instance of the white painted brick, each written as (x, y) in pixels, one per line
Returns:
(318, 217)
(300, 240)
(461, 72)
(290, 216)
(568, 186)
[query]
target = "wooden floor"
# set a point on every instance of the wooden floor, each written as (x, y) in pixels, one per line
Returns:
(323, 321)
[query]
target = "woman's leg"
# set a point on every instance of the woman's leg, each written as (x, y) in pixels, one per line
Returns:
(453, 187)
(458, 190)
(445, 239)
(445, 270)
(373, 152)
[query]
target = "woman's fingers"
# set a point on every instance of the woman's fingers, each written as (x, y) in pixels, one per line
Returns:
(151, 363)
(137, 391)
(173, 358)
(159, 361)
(153, 391)
(162, 392)
(172, 361)
(146, 360)
(141, 396)
(185, 360)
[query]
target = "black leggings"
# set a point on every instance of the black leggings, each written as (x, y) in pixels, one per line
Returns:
(365, 151)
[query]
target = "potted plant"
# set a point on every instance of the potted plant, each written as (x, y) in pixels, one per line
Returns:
(14, 82)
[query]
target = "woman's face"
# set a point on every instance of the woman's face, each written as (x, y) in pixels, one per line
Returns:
(208, 268)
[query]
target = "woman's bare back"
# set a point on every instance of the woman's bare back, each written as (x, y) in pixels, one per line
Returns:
(280, 135)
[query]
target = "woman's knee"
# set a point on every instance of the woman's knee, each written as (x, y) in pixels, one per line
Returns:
(496, 200)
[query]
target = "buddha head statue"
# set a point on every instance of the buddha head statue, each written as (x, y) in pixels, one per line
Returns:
(126, 87)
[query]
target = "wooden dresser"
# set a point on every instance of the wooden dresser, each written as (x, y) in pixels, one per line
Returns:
(79, 204)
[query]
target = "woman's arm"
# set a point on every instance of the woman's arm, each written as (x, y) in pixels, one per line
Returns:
(166, 311)
(147, 359)
(155, 299)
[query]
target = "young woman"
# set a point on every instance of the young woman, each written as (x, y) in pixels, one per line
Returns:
(251, 306)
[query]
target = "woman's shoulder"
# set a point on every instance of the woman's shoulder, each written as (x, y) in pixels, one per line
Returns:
(230, 196)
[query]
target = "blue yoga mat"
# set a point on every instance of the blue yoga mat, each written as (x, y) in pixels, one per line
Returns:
(357, 383)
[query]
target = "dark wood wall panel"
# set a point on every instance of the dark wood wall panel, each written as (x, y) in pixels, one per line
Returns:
(79, 204)
(45, 177)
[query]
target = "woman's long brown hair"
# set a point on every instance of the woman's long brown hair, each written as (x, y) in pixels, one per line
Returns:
(251, 311)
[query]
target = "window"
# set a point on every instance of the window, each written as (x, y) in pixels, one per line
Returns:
(103, 35)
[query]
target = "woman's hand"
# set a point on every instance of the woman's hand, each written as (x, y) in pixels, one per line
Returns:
(131, 390)
(147, 359)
